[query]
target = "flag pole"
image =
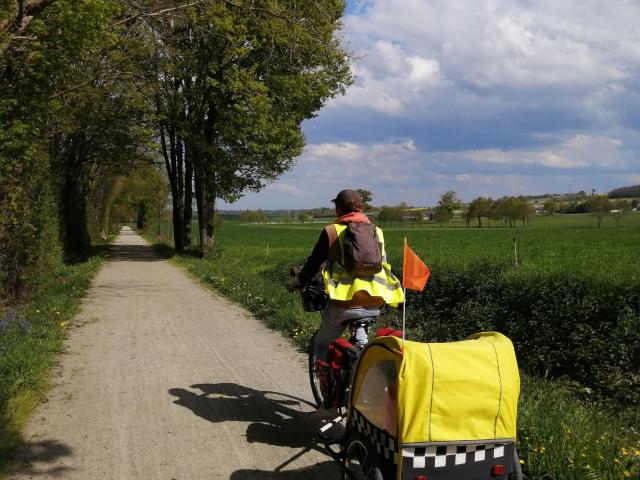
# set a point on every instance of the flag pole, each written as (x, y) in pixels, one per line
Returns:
(404, 315)
(404, 292)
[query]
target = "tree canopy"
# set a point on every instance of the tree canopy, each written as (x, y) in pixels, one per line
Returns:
(91, 91)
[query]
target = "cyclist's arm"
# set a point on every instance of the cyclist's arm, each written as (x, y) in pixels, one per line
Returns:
(318, 256)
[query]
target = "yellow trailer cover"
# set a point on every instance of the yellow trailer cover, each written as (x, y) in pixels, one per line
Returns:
(456, 391)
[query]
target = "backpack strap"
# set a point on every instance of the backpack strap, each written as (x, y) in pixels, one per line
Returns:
(335, 252)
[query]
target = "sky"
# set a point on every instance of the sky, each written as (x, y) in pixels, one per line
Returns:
(489, 97)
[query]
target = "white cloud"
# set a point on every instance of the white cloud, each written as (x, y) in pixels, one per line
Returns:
(576, 152)
(489, 97)
(494, 43)
(288, 189)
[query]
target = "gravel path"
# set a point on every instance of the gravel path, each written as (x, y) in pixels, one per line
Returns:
(163, 379)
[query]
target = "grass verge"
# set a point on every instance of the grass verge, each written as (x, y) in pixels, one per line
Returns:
(30, 336)
(562, 436)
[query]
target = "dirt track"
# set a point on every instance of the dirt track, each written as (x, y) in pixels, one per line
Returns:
(163, 379)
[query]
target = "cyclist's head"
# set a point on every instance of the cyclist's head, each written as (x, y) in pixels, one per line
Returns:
(348, 201)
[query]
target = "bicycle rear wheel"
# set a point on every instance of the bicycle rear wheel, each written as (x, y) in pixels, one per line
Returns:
(314, 378)
(360, 460)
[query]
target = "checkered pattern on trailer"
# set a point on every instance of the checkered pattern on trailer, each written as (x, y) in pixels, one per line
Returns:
(437, 456)
(385, 444)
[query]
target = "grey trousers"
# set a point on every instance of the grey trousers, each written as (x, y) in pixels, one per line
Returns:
(334, 320)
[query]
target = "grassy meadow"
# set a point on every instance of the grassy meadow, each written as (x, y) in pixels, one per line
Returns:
(574, 282)
(558, 243)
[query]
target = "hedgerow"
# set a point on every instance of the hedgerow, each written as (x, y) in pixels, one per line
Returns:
(561, 324)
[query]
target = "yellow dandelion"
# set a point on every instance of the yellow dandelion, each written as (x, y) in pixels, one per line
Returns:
(522, 462)
(626, 474)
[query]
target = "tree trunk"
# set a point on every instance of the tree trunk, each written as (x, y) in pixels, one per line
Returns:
(188, 195)
(73, 211)
(141, 220)
(178, 199)
(208, 210)
(199, 191)
(172, 173)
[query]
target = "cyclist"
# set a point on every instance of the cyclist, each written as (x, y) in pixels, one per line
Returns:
(351, 297)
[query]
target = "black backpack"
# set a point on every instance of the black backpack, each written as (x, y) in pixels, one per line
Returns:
(362, 255)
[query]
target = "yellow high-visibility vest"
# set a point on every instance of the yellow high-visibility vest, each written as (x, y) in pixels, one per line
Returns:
(341, 285)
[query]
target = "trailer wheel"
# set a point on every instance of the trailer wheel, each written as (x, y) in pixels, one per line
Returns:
(360, 460)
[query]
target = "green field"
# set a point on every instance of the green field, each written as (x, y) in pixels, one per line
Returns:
(571, 307)
(559, 243)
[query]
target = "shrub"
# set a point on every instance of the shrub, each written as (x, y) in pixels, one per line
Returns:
(562, 325)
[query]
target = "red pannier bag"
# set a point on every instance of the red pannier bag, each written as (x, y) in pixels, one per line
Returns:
(341, 357)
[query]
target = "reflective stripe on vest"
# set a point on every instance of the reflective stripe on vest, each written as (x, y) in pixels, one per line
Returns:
(341, 285)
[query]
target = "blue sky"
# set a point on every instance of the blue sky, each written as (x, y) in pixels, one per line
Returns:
(490, 97)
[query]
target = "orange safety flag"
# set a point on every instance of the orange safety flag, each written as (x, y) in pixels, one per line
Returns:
(414, 272)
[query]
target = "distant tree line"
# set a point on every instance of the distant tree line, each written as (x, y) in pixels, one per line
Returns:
(622, 192)
(506, 210)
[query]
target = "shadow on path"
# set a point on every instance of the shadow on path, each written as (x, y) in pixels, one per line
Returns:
(324, 470)
(133, 253)
(37, 458)
(276, 419)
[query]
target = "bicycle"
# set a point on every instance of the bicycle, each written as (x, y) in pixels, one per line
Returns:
(330, 381)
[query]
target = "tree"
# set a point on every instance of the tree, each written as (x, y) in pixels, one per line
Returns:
(442, 214)
(61, 64)
(525, 212)
(479, 207)
(304, 217)
(619, 209)
(244, 78)
(392, 214)
(448, 203)
(419, 216)
(143, 196)
(468, 215)
(366, 197)
(252, 216)
(599, 206)
(551, 207)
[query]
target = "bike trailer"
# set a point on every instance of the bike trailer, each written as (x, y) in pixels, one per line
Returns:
(434, 411)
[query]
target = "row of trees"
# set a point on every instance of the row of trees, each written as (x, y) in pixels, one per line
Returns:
(73, 122)
(236, 82)
(506, 210)
(92, 92)
(599, 205)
